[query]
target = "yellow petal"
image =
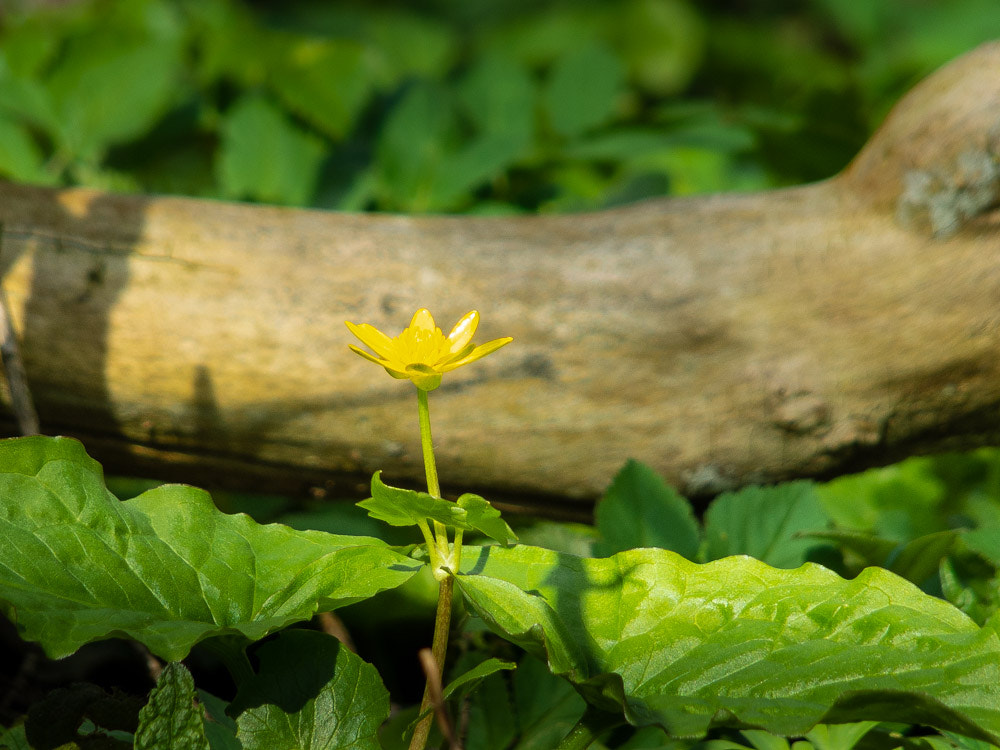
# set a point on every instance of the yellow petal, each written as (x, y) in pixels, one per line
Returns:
(422, 319)
(374, 339)
(366, 355)
(390, 367)
(462, 353)
(478, 353)
(463, 331)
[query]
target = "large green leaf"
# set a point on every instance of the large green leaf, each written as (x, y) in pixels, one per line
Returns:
(311, 693)
(687, 646)
(165, 568)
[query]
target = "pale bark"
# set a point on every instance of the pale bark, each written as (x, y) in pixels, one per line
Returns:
(723, 340)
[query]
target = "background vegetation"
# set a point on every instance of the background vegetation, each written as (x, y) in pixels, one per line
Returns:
(451, 106)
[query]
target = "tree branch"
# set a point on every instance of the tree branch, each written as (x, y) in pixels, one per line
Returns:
(723, 339)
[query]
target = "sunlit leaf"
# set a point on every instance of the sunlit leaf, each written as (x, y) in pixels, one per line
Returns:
(400, 507)
(737, 642)
(165, 568)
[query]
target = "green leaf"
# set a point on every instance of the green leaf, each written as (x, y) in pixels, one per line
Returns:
(583, 89)
(29, 43)
(573, 538)
(898, 502)
(863, 550)
(20, 157)
(918, 560)
(324, 81)
(171, 718)
(765, 522)
(14, 739)
(311, 693)
(737, 642)
(418, 131)
(165, 568)
(662, 43)
(219, 728)
(264, 156)
(470, 679)
(112, 93)
(640, 510)
(459, 172)
(28, 101)
(547, 707)
(839, 736)
(498, 95)
(491, 716)
(410, 44)
(969, 581)
(399, 507)
(765, 740)
(484, 518)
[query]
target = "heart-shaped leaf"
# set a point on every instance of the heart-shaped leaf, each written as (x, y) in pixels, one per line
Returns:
(737, 642)
(166, 568)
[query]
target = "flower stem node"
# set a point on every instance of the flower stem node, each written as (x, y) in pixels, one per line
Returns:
(422, 353)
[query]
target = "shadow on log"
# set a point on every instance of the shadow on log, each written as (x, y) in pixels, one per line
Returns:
(724, 340)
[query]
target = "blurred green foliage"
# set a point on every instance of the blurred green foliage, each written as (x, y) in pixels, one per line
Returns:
(493, 106)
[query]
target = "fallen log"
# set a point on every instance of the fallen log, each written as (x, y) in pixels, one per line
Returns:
(724, 340)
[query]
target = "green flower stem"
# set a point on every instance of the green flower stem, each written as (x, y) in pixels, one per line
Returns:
(431, 542)
(456, 557)
(439, 647)
(440, 555)
(430, 468)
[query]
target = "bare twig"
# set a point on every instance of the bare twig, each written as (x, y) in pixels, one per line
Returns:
(433, 672)
(153, 665)
(333, 625)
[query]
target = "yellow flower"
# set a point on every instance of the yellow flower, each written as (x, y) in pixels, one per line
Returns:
(422, 352)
